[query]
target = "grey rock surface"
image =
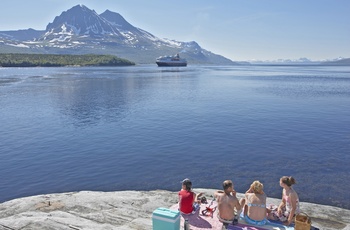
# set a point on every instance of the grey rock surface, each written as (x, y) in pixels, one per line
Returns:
(121, 210)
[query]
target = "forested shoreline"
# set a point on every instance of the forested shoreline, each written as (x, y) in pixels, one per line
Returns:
(59, 60)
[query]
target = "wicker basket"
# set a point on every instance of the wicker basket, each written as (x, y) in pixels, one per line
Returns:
(302, 222)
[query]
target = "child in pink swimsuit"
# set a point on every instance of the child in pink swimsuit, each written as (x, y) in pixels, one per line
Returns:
(289, 205)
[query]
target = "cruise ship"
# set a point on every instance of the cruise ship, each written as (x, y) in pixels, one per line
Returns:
(171, 61)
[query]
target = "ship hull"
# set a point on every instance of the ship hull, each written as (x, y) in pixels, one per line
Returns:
(171, 63)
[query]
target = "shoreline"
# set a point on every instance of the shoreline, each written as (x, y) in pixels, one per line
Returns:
(123, 210)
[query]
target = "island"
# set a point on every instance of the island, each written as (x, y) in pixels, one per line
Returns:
(59, 60)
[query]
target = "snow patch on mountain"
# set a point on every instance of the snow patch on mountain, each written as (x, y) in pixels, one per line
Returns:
(62, 38)
(73, 29)
(18, 45)
(171, 43)
(130, 37)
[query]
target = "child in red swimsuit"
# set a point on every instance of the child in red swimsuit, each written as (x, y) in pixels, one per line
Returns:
(187, 198)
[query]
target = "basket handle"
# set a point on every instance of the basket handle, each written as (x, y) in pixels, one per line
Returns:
(303, 213)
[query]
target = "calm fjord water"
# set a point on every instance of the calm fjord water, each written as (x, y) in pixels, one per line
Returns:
(145, 128)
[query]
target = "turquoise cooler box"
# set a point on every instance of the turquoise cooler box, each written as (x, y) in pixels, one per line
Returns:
(165, 219)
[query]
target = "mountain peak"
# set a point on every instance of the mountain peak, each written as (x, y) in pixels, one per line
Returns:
(79, 20)
(79, 8)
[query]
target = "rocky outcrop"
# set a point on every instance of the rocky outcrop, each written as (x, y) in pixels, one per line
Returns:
(121, 210)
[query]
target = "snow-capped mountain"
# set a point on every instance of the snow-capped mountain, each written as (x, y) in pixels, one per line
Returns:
(81, 30)
(79, 21)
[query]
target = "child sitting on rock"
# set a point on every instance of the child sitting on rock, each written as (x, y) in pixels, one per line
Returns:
(187, 198)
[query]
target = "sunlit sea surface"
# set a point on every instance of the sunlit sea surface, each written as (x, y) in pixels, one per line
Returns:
(146, 128)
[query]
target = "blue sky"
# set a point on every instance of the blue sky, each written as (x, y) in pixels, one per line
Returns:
(237, 29)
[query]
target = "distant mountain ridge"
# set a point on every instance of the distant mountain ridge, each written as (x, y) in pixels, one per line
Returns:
(303, 61)
(81, 30)
(344, 61)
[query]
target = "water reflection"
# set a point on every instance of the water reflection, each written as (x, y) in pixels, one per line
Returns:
(5, 81)
(88, 101)
(110, 95)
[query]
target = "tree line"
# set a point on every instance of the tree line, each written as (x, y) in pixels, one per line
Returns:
(58, 60)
